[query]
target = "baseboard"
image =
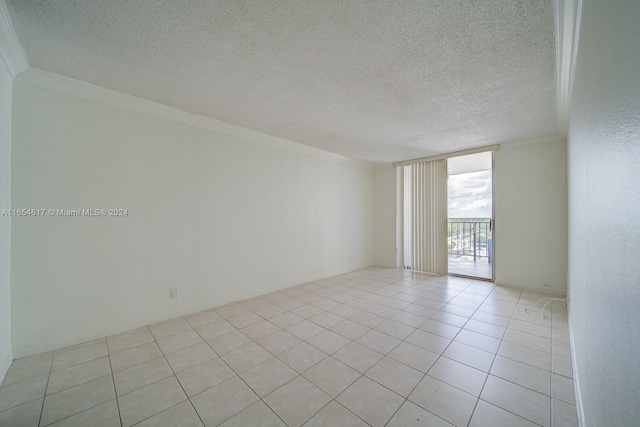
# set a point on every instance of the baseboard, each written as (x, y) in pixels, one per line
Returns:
(41, 348)
(6, 363)
(540, 289)
(576, 381)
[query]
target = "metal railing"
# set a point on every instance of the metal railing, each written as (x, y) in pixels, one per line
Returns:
(470, 237)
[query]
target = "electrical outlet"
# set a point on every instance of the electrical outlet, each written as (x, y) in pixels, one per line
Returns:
(173, 293)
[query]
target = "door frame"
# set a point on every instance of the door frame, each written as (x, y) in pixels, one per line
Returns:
(492, 221)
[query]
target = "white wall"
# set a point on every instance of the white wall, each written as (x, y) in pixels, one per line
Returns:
(530, 196)
(604, 214)
(6, 88)
(385, 216)
(218, 211)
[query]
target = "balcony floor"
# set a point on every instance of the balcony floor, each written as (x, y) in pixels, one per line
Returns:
(464, 265)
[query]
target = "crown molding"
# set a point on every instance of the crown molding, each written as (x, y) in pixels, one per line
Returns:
(567, 29)
(494, 147)
(11, 51)
(551, 139)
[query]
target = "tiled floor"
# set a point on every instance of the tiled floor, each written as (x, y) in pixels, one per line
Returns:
(373, 347)
(466, 266)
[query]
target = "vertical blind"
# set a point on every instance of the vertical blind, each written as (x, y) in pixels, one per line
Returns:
(425, 216)
(422, 210)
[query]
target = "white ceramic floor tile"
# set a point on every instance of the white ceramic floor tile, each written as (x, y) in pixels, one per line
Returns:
(358, 357)
(199, 378)
(25, 415)
(260, 330)
(169, 327)
(564, 414)
(377, 341)
(231, 310)
(190, 357)
(103, 415)
(522, 401)
(529, 340)
(79, 354)
(134, 356)
(414, 356)
(395, 329)
(445, 401)
(141, 375)
(209, 331)
(409, 319)
(428, 341)
(493, 319)
(223, 401)
(77, 399)
(285, 320)
(563, 388)
(227, 343)
(328, 341)
(243, 320)
(481, 341)
(307, 311)
(334, 414)
(402, 321)
(179, 341)
(297, 401)
(560, 348)
(468, 355)
(458, 375)
(439, 328)
(522, 374)
(527, 355)
(268, 312)
(396, 376)
(202, 318)
(485, 328)
(450, 318)
(129, 339)
(302, 356)
(182, 415)
(350, 329)
(370, 401)
(531, 328)
(305, 329)
(561, 366)
(332, 376)
(150, 400)
(268, 376)
(28, 367)
(487, 414)
(279, 342)
(411, 414)
(78, 374)
(369, 320)
(258, 414)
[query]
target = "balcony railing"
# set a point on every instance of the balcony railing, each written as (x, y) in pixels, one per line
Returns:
(470, 237)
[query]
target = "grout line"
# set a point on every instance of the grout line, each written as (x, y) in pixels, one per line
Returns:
(113, 380)
(44, 397)
(364, 297)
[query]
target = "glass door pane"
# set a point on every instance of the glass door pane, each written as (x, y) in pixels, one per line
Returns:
(470, 231)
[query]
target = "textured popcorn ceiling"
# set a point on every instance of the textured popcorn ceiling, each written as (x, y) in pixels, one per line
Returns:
(374, 80)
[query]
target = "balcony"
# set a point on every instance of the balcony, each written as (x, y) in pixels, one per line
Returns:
(469, 241)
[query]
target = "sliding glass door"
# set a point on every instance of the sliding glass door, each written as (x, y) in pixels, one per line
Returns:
(470, 215)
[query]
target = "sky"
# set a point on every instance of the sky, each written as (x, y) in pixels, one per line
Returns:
(470, 195)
